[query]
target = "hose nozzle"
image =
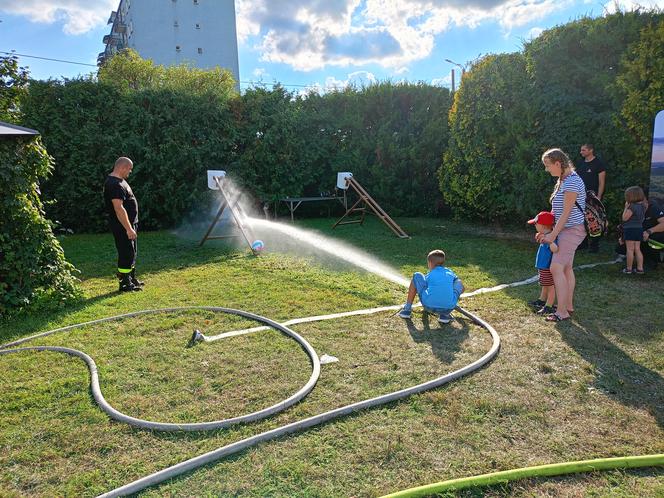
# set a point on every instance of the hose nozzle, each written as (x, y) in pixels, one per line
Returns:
(196, 337)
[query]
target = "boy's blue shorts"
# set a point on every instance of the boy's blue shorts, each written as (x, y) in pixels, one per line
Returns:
(421, 284)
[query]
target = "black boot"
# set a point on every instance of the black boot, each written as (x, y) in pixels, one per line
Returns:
(134, 280)
(126, 285)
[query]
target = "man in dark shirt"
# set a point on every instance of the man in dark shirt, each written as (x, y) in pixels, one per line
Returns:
(652, 245)
(122, 209)
(593, 173)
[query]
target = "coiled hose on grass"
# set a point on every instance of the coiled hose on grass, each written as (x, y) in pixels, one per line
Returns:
(162, 426)
(238, 446)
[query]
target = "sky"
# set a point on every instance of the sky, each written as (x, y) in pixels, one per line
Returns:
(313, 44)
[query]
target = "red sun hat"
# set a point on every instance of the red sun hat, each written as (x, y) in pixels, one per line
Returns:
(543, 218)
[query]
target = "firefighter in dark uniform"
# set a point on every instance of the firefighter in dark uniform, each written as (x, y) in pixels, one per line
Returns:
(122, 210)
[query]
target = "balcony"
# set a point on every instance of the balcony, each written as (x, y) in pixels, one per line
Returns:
(111, 19)
(112, 39)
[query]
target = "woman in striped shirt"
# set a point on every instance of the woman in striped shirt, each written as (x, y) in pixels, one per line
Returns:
(569, 203)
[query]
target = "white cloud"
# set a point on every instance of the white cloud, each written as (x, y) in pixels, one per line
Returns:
(534, 33)
(613, 5)
(313, 34)
(444, 81)
(358, 79)
(78, 16)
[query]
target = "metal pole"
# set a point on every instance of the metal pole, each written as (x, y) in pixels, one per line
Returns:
(452, 80)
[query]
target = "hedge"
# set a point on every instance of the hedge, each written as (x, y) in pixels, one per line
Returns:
(573, 89)
(33, 268)
(273, 142)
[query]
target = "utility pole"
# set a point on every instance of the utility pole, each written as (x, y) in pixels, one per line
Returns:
(463, 71)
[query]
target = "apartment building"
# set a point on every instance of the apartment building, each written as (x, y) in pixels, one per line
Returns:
(199, 32)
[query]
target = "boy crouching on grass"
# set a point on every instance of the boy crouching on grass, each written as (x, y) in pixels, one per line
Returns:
(438, 290)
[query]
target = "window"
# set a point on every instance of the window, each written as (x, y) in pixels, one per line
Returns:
(176, 24)
(198, 26)
(200, 50)
(177, 48)
(195, 2)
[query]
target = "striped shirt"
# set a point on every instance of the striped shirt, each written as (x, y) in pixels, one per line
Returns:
(573, 183)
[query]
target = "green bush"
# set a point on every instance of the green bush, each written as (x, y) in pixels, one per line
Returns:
(33, 268)
(563, 90)
(574, 69)
(491, 153)
(171, 132)
(175, 123)
(400, 142)
(641, 86)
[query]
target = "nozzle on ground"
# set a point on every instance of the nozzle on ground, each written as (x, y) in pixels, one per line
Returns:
(196, 337)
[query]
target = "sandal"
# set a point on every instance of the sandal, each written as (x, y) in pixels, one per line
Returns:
(555, 318)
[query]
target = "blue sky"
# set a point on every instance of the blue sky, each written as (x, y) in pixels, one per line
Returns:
(313, 43)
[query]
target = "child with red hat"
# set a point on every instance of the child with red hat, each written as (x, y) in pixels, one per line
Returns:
(544, 222)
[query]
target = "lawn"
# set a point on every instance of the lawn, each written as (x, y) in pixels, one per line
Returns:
(588, 388)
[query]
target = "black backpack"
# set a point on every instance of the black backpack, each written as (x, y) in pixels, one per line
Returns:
(595, 218)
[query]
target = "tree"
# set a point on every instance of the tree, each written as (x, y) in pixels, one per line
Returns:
(32, 264)
(642, 88)
(488, 169)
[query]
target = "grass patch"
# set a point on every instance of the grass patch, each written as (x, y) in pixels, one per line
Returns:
(583, 389)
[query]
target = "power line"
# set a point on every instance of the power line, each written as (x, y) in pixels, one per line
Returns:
(257, 83)
(48, 59)
(246, 83)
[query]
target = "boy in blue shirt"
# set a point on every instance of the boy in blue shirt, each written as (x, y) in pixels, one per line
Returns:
(544, 222)
(438, 290)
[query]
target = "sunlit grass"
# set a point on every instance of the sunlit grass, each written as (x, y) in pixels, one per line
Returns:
(588, 388)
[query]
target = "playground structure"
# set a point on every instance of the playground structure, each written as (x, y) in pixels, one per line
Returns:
(346, 182)
(217, 181)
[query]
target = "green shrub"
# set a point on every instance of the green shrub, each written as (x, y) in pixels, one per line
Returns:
(562, 91)
(641, 86)
(490, 169)
(171, 136)
(32, 265)
(574, 69)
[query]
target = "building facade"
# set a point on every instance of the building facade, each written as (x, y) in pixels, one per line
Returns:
(198, 32)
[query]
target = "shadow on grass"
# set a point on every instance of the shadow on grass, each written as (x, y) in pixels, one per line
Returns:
(617, 375)
(445, 340)
(95, 255)
(30, 322)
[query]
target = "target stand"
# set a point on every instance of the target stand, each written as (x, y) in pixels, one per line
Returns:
(217, 181)
(365, 202)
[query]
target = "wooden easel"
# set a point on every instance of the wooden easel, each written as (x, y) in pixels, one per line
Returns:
(367, 202)
(238, 213)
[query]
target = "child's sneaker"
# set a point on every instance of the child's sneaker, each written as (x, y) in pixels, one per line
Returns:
(546, 310)
(444, 319)
(627, 271)
(405, 314)
(537, 303)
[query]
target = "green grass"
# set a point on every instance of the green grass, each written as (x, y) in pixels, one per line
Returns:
(583, 389)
